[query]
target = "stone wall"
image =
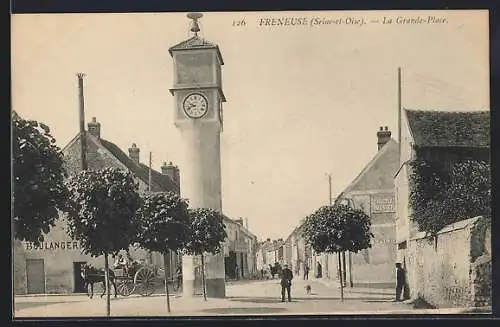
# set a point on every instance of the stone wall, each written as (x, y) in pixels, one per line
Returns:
(453, 270)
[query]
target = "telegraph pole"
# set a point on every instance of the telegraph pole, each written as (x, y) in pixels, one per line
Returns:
(330, 189)
(399, 108)
(83, 140)
(150, 175)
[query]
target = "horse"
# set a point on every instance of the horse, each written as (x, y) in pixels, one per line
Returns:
(92, 275)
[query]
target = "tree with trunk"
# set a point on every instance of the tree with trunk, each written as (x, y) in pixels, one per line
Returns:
(38, 180)
(102, 213)
(336, 229)
(163, 226)
(207, 234)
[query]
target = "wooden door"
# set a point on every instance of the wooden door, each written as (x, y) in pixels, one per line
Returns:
(35, 276)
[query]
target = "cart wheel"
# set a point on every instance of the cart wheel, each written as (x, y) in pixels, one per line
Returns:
(144, 280)
(125, 287)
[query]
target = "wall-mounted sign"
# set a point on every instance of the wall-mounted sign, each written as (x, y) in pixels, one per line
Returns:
(62, 245)
(383, 203)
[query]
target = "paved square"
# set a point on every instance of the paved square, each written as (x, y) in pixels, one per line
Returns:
(242, 298)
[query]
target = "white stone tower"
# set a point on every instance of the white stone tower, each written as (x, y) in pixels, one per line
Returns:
(198, 98)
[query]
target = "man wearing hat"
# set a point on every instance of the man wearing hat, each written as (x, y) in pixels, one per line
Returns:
(286, 283)
(400, 281)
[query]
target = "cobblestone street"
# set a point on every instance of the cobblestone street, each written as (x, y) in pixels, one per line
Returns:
(243, 298)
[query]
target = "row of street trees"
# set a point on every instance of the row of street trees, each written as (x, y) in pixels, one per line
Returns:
(105, 211)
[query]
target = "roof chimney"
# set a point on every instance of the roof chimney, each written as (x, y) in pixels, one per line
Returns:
(133, 153)
(171, 171)
(94, 128)
(383, 136)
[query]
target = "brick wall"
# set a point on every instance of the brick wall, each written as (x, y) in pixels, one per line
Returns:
(455, 269)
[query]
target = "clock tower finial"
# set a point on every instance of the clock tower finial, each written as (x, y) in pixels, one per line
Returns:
(195, 28)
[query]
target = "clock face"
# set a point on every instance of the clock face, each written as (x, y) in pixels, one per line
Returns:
(195, 105)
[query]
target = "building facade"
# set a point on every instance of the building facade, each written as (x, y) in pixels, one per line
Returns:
(240, 249)
(261, 254)
(373, 192)
(55, 266)
(300, 253)
(431, 135)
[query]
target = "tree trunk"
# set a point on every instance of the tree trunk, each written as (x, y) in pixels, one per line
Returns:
(166, 280)
(340, 277)
(203, 277)
(344, 270)
(351, 283)
(106, 285)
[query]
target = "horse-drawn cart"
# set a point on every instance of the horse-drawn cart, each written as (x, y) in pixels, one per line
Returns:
(139, 279)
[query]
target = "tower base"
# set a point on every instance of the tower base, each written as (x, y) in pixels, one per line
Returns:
(215, 282)
(216, 288)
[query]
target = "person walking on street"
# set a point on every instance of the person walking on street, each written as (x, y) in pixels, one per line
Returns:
(400, 281)
(306, 272)
(286, 283)
(319, 273)
(178, 275)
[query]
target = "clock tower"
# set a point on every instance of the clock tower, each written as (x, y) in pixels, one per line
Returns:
(198, 98)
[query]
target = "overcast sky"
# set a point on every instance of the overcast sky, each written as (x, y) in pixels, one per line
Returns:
(302, 101)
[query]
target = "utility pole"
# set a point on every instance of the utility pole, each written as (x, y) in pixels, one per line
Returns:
(330, 189)
(83, 140)
(150, 175)
(399, 108)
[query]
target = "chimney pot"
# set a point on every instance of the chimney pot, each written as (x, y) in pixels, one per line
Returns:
(94, 128)
(171, 171)
(133, 153)
(383, 136)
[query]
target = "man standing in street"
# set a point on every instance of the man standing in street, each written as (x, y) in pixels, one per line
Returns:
(286, 283)
(400, 281)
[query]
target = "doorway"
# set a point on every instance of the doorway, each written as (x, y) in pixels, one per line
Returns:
(242, 269)
(77, 277)
(35, 276)
(230, 263)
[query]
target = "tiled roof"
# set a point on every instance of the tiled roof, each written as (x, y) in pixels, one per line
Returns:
(141, 170)
(449, 129)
